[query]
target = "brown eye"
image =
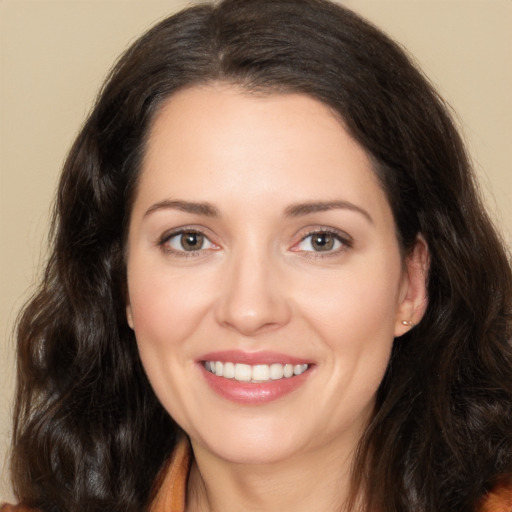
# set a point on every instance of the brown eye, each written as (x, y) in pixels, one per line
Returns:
(187, 241)
(322, 241)
(192, 241)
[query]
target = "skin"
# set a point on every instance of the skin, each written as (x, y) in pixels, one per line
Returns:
(258, 284)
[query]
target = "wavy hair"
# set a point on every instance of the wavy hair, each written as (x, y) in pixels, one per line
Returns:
(89, 433)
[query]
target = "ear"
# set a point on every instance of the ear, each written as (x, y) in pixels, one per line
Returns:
(413, 291)
(129, 316)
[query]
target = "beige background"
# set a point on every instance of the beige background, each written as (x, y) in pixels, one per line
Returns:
(54, 54)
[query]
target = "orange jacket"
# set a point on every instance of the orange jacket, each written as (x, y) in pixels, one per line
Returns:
(170, 488)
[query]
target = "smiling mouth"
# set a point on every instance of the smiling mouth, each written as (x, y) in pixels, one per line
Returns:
(254, 373)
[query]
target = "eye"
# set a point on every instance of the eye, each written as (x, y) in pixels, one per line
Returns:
(323, 241)
(187, 241)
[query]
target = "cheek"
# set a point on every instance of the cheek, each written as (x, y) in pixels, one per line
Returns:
(166, 311)
(356, 304)
(354, 317)
(358, 332)
(355, 323)
(166, 308)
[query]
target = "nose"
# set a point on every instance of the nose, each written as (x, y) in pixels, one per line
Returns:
(253, 297)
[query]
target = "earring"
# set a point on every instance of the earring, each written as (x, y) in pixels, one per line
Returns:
(407, 323)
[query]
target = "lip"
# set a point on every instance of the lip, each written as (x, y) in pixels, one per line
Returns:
(247, 393)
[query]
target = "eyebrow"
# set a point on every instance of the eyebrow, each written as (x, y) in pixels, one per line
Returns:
(206, 209)
(300, 209)
(294, 210)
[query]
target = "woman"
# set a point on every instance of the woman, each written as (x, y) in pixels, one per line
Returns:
(272, 284)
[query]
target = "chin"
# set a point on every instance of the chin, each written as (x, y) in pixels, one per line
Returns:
(256, 445)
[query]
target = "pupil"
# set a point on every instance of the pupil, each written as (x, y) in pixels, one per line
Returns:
(192, 241)
(323, 242)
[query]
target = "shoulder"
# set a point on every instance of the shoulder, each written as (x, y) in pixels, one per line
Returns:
(500, 499)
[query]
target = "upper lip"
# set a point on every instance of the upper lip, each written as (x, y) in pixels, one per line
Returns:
(252, 358)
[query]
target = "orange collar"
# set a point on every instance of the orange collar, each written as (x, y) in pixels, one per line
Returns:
(171, 483)
(500, 499)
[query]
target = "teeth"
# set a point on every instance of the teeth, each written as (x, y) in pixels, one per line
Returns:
(261, 372)
(243, 372)
(276, 371)
(299, 368)
(229, 370)
(256, 373)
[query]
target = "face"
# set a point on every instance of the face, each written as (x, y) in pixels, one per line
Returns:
(265, 281)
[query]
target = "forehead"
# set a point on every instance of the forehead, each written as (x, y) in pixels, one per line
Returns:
(218, 140)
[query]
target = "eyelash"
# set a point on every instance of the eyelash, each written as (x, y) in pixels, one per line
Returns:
(345, 241)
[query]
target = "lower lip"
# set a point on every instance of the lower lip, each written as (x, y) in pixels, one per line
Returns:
(248, 393)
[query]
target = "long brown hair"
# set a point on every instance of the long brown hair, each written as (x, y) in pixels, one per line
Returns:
(89, 433)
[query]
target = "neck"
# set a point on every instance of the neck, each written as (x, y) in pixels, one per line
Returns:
(317, 480)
